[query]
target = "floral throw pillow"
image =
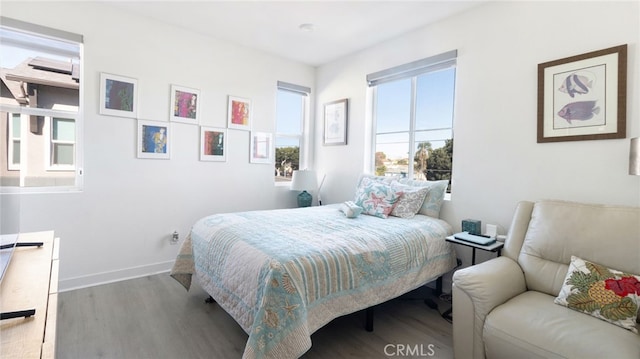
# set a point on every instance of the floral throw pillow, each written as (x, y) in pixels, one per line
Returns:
(435, 196)
(410, 202)
(601, 292)
(376, 199)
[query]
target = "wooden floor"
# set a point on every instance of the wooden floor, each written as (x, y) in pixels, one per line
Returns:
(154, 317)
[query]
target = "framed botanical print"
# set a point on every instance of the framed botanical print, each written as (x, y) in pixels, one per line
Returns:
(336, 116)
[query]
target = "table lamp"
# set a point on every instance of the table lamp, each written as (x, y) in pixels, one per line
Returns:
(303, 181)
(634, 157)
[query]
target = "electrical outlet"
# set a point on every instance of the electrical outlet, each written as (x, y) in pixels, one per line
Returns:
(174, 237)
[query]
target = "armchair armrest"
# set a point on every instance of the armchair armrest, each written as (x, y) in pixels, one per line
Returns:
(476, 291)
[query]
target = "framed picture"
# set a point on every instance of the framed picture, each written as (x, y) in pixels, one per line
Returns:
(154, 139)
(118, 96)
(583, 97)
(213, 144)
(239, 113)
(336, 115)
(184, 104)
(261, 147)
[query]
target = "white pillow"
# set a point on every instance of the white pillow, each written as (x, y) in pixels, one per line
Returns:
(350, 209)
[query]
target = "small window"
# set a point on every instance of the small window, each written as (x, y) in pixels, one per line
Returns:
(14, 131)
(63, 135)
(291, 104)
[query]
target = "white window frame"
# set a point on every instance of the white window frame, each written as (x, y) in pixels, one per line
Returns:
(49, 152)
(11, 165)
(407, 71)
(303, 135)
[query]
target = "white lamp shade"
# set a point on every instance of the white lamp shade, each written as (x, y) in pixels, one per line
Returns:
(304, 181)
(634, 157)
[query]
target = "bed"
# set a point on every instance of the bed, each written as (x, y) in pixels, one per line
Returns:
(283, 274)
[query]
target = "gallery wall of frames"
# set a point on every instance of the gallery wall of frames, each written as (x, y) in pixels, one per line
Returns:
(118, 97)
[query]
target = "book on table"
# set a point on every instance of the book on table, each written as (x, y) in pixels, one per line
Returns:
(477, 239)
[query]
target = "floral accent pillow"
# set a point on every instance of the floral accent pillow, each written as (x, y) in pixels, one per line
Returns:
(410, 202)
(376, 199)
(435, 196)
(601, 292)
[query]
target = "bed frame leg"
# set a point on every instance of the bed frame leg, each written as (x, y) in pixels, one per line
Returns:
(209, 300)
(438, 289)
(436, 292)
(368, 325)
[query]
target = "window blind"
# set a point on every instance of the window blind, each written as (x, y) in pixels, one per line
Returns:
(40, 30)
(429, 64)
(25, 35)
(302, 90)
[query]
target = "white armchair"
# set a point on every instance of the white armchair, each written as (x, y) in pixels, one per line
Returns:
(504, 307)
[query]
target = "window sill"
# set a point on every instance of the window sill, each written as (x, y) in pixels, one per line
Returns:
(39, 190)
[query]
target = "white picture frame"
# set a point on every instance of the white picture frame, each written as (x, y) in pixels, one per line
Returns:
(213, 144)
(261, 147)
(185, 105)
(118, 96)
(239, 113)
(154, 139)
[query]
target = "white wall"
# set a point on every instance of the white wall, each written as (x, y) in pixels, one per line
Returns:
(497, 161)
(119, 225)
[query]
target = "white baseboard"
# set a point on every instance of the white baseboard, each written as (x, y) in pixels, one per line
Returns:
(91, 280)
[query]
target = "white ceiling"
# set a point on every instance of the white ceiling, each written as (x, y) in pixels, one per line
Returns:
(340, 27)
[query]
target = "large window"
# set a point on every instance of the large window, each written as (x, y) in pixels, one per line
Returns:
(413, 118)
(40, 107)
(291, 107)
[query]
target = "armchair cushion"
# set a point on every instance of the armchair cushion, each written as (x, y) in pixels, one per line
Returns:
(601, 292)
(531, 326)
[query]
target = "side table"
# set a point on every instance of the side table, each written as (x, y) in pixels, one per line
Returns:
(493, 247)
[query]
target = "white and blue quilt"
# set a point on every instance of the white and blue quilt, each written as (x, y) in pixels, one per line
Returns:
(283, 274)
